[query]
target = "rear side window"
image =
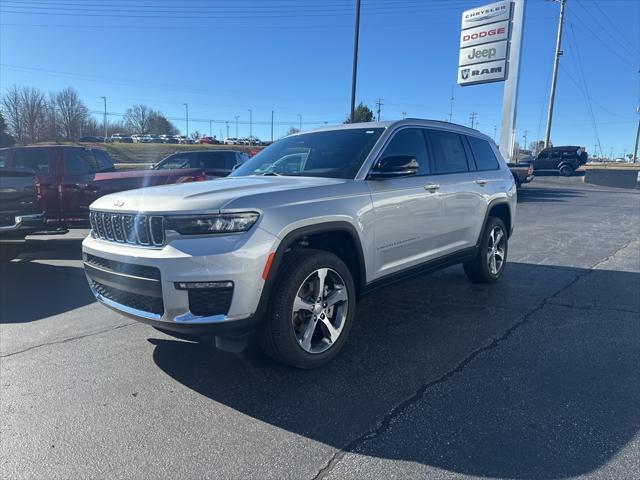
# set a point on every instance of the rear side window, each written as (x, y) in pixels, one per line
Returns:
(483, 154)
(410, 141)
(38, 159)
(212, 160)
(448, 152)
(81, 162)
(3, 159)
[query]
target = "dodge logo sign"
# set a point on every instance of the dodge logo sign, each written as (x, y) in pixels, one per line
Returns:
(484, 34)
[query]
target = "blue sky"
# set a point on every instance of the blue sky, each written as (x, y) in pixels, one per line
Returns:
(224, 57)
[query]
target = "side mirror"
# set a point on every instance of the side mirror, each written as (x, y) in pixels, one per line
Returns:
(394, 166)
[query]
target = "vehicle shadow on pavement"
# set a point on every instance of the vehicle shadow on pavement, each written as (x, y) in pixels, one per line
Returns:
(33, 290)
(547, 195)
(522, 379)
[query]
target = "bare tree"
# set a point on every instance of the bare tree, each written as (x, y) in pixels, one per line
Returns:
(12, 109)
(160, 125)
(72, 113)
(137, 119)
(33, 111)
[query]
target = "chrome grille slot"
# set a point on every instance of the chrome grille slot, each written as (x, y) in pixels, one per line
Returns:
(144, 230)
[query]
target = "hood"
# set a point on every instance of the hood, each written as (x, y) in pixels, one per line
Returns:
(208, 196)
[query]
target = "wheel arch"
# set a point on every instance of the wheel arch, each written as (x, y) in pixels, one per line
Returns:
(338, 237)
(501, 209)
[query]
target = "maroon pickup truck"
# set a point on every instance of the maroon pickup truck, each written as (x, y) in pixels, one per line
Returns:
(72, 177)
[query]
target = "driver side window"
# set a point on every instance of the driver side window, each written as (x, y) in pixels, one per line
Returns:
(411, 142)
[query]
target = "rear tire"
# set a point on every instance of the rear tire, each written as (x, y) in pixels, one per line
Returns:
(311, 309)
(491, 258)
(566, 170)
(9, 251)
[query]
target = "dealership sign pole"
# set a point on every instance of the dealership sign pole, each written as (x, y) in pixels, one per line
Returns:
(490, 52)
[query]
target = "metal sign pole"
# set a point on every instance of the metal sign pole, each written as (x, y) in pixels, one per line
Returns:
(510, 99)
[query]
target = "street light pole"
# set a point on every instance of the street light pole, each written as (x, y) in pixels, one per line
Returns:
(355, 62)
(250, 124)
(272, 125)
(105, 118)
(186, 106)
(300, 124)
(547, 137)
(236, 117)
(635, 149)
(227, 125)
(211, 128)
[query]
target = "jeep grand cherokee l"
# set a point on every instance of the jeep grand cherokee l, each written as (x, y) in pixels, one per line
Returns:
(284, 246)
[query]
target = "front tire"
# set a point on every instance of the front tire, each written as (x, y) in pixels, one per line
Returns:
(491, 258)
(566, 171)
(311, 310)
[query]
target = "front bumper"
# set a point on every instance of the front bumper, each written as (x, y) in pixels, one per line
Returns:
(22, 226)
(142, 283)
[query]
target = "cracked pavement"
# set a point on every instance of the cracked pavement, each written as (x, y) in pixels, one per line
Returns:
(535, 377)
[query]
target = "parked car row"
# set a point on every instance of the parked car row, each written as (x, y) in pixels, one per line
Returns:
(245, 141)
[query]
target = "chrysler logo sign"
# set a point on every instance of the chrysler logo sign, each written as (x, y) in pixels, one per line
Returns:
(494, 12)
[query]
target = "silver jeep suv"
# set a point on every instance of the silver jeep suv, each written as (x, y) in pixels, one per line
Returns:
(282, 248)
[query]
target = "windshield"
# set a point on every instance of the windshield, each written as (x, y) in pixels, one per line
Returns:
(332, 154)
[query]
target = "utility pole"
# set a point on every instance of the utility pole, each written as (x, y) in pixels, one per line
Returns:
(404, 114)
(300, 120)
(186, 106)
(236, 117)
(611, 154)
(473, 116)
(635, 149)
(105, 118)
(495, 130)
(250, 124)
(211, 128)
(547, 137)
(378, 105)
(272, 125)
(451, 106)
(355, 62)
(226, 122)
(524, 136)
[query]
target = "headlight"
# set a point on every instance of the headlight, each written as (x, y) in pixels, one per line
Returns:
(209, 224)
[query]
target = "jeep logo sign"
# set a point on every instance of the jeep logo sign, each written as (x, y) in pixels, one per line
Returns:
(485, 34)
(495, 12)
(481, 73)
(483, 53)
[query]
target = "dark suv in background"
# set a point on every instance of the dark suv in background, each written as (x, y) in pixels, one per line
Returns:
(215, 163)
(565, 160)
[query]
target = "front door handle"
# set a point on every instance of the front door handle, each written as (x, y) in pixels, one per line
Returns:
(432, 187)
(481, 181)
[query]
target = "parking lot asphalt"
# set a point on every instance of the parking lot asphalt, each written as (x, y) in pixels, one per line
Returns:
(537, 376)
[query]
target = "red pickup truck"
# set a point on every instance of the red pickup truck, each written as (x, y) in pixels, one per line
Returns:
(72, 177)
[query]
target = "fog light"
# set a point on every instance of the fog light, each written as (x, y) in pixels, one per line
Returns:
(196, 285)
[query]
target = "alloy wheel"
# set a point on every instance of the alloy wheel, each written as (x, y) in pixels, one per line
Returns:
(495, 250)
(320, 310)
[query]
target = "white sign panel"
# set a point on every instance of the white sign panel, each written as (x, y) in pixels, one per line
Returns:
(486, 52)
(486, 33)
(482, 73)
(495, 12)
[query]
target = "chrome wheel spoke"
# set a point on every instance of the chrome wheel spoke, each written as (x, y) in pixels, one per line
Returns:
(498, 237)
(500, 254)
(337, 296)
(302, 304)
(309, 330)
(322, 277)
(331, 332)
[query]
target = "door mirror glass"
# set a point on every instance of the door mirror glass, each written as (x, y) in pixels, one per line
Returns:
(395, 166)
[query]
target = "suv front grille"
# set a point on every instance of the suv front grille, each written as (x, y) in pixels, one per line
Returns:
(143, 230)
(133, 300)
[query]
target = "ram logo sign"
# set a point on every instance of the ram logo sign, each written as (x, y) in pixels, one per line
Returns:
(482, 73)
(484, 44)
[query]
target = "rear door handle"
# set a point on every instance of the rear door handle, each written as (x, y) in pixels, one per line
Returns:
(481, 181)
(431, 187)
